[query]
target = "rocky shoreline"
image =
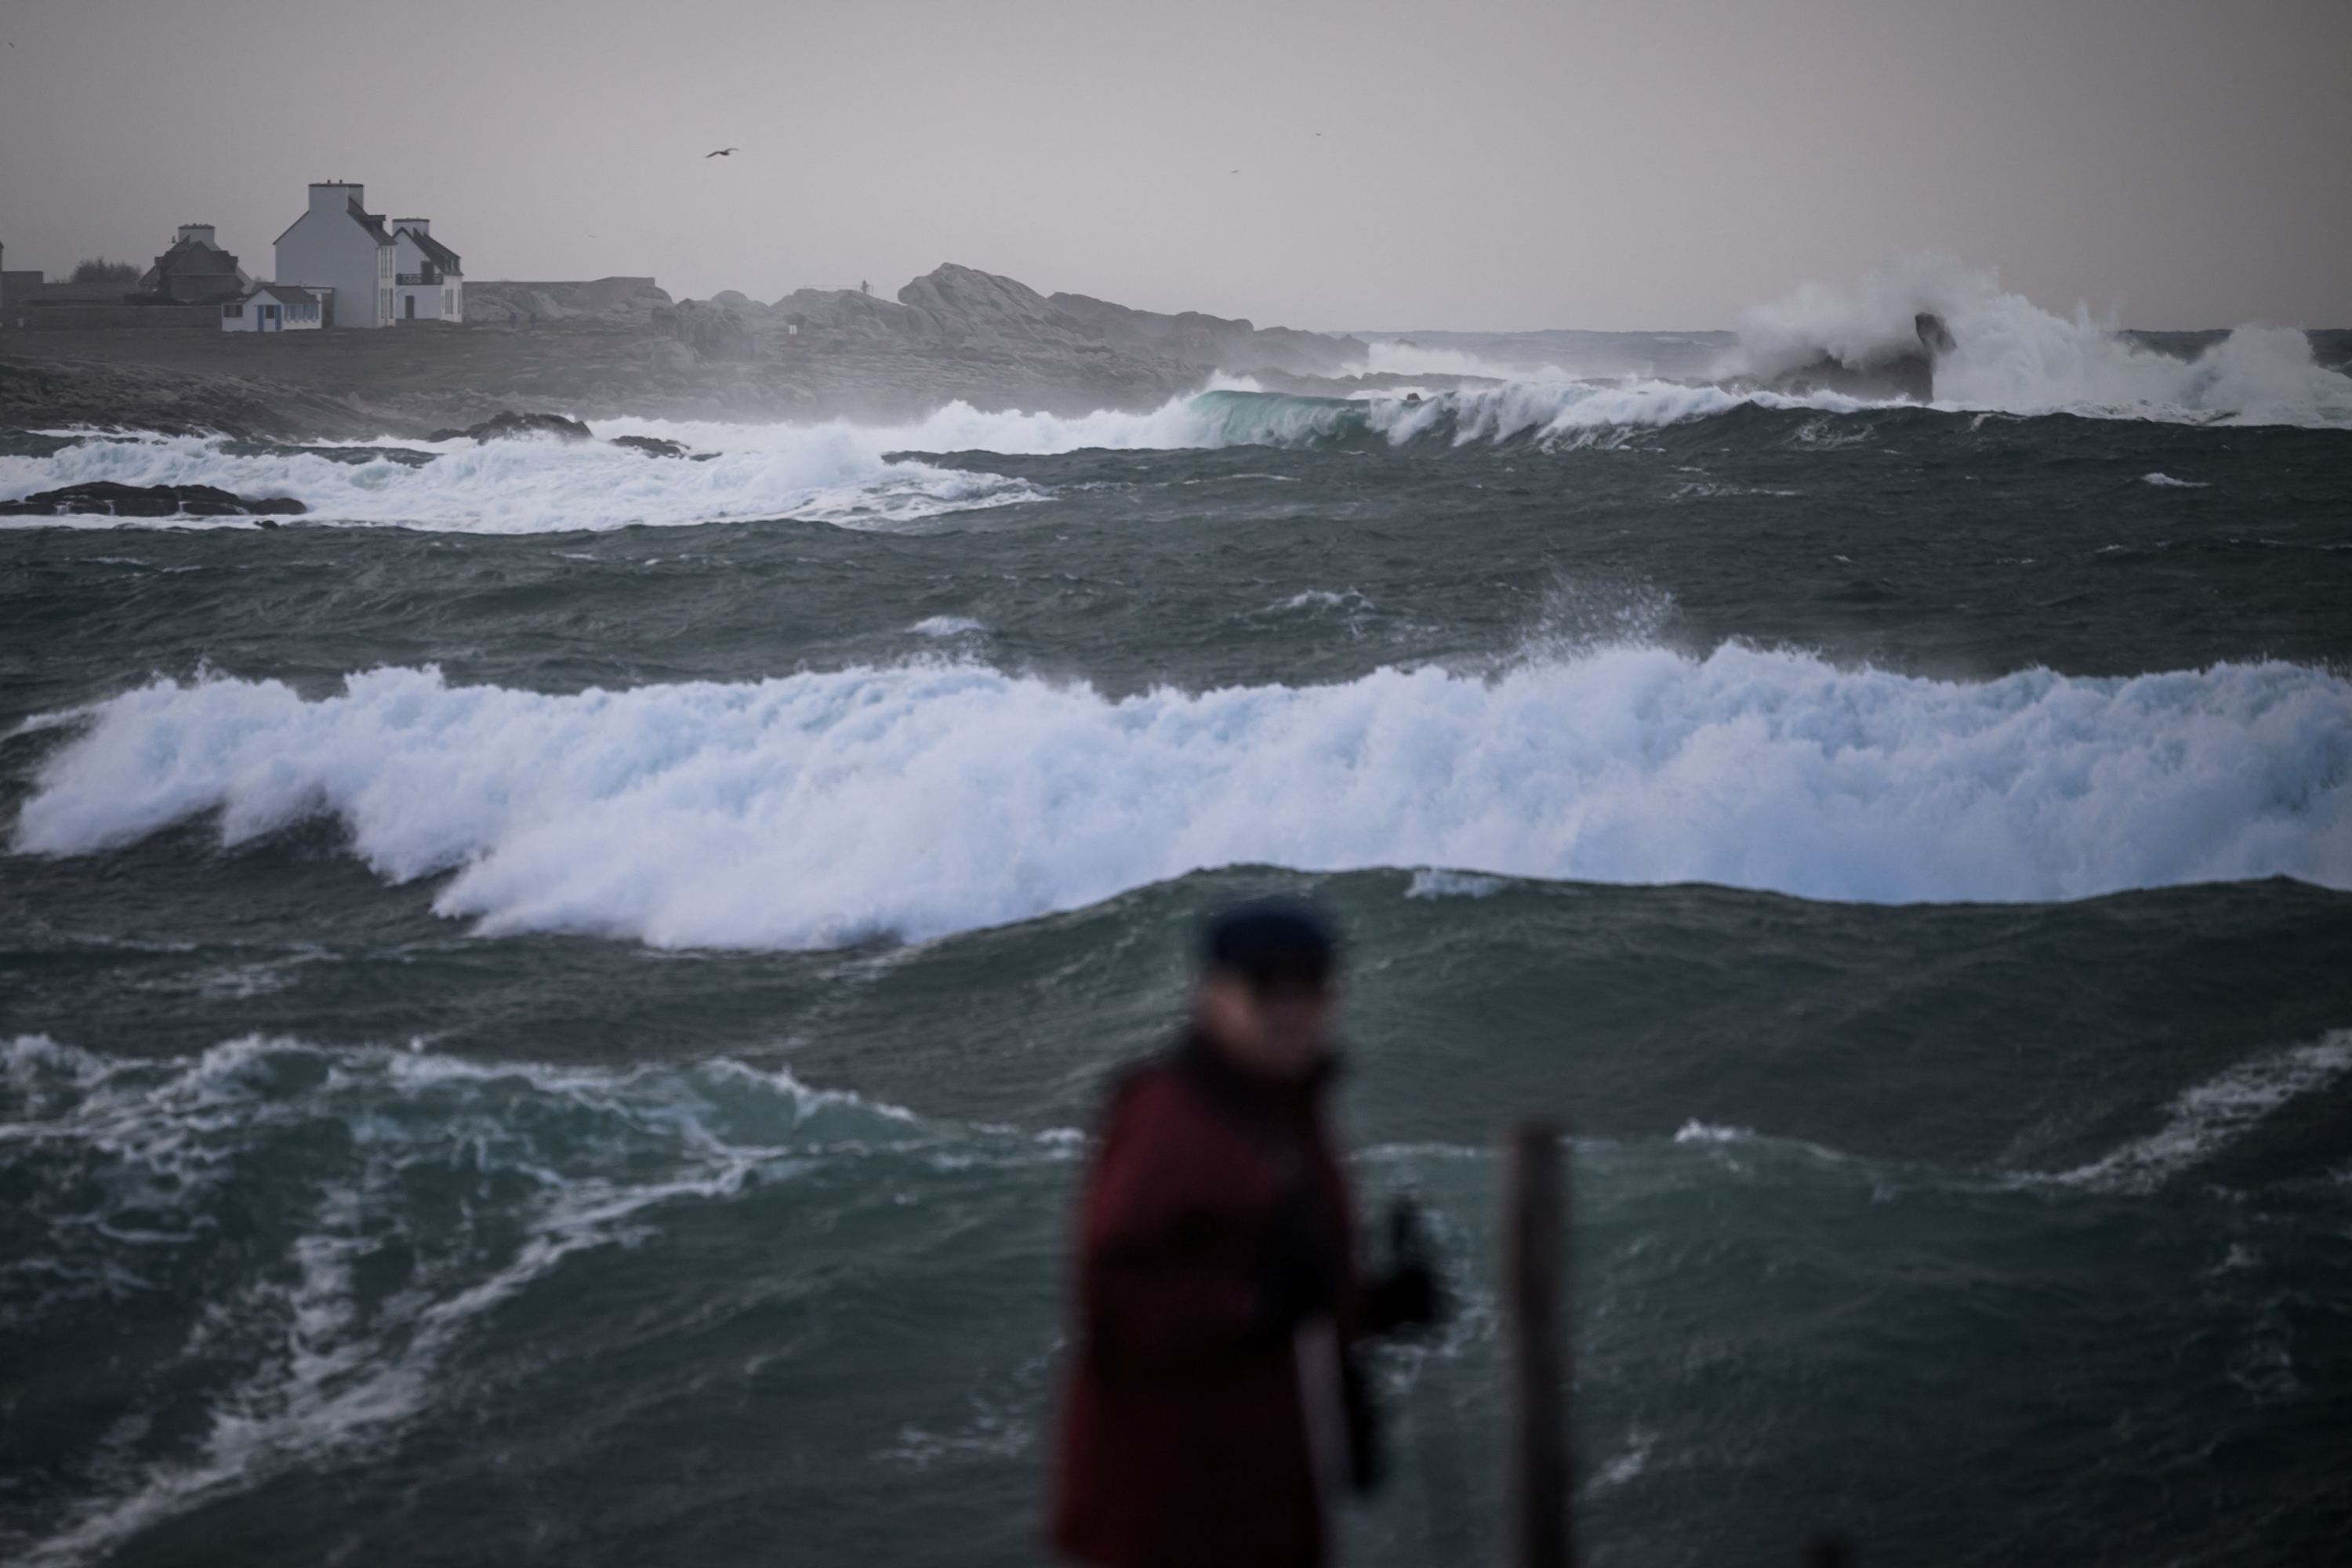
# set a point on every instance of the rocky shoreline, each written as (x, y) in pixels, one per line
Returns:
(622, 347)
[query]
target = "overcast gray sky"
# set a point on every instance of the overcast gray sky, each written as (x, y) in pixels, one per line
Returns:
(1464, 164)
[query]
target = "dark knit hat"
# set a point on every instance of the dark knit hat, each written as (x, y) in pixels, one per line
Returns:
(1272, 943)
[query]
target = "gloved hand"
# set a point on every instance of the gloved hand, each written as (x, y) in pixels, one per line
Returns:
(1406, 1296)
(1409, 1294)
(1298, 1276)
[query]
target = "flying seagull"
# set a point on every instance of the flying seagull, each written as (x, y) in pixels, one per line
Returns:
(723, 152)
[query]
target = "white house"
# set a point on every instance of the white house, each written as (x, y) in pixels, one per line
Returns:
(374, 274)
(428, 283)
(276, 308)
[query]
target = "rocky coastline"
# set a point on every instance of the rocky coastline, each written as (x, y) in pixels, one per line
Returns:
(623, 347)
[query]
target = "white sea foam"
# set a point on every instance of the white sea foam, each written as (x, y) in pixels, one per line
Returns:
(834, 473)
(1697, 1131)
(1626, 1465)
(946, 626)
(822, 808)
(2209, 1116)
(853, 476)
(1432, 883)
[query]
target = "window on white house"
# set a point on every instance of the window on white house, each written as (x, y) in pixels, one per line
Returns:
(232, 309)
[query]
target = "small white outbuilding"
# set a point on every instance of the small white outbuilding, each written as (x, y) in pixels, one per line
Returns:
(276, 308)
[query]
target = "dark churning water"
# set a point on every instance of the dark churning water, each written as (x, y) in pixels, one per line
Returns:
(558, 1026)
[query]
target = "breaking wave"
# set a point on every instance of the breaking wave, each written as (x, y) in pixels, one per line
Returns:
(2010, 355)
(820, 808)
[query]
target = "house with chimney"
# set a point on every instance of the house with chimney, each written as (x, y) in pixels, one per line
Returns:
(379, 274)
(428, 280)
(195, 270)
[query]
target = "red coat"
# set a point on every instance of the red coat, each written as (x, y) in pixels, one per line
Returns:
(1184, 1437)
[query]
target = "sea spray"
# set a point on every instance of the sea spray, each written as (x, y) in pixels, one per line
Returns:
(2008, 355)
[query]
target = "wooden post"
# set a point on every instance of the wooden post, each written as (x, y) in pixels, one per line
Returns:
(1537, 1467)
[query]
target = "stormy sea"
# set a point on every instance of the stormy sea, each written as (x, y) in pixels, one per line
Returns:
(550, 1007)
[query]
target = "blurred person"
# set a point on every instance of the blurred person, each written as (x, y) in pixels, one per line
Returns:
(1217, 1409)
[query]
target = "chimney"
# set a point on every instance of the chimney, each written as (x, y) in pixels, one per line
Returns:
(201, 232)
(331, 195)
(421, 224)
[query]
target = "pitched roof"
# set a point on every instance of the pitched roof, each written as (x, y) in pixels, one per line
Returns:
(372, 222)
(285, 294)
(440, 254)
(190, 255)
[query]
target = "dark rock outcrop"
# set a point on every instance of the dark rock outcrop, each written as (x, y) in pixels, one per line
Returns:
(970, 305)
(964, 307)
(713, 332)
(63, 393)
(510, 426)
(651, 446)
(1904, 371)
(106, 498)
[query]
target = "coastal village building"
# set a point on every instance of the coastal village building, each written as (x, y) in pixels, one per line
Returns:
(195, 270)
(338, 245)
(275, 308)
(428, 278)
(377, 274)
(179, 290)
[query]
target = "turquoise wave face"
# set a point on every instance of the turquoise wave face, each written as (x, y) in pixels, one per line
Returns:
(1234, 418)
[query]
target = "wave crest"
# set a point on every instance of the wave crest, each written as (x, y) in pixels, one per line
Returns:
(825, 807)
